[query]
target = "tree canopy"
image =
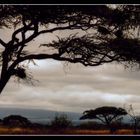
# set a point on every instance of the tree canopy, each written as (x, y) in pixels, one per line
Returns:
(101, 34)
(106, 114)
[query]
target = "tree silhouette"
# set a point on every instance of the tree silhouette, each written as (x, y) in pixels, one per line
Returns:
(100, 35)
(61, 122)
(16, 120)
(106, 114)
(134, 118)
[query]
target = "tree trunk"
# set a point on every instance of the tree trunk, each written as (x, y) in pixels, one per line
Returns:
(111, 128)
(3, 82)
(135, 127)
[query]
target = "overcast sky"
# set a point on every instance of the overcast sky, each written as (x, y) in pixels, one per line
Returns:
(72, 87)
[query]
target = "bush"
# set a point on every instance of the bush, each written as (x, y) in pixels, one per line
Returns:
(16, 120)
(61, 122)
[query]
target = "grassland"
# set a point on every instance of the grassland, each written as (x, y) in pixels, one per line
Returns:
(68, 131)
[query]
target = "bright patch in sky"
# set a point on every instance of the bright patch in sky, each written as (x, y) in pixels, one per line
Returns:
(109, 97)
(44, 64)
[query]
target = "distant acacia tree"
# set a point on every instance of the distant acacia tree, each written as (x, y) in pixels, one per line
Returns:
(106, 114)
(100, 35)
(16, 120)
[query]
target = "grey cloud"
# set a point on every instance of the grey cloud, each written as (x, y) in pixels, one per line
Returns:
(72, 87)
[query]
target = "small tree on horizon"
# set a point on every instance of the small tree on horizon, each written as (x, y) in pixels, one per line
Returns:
(61, 122)
(106, 114)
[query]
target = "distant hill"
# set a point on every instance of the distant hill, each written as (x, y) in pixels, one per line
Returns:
(44, 116)
(38, 115)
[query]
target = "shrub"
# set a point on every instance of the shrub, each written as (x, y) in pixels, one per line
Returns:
(16, 120)
(61, 122)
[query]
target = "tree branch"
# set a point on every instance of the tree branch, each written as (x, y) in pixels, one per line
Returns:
(58, 57)
(30, 38)
(24, 28)
(2, 43)
(60, 28)
(100, 119)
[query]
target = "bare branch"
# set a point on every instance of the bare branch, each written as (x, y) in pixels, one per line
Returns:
(60, 58)
(36, 34)
(74, 26)
(2, 43)
(102, 120)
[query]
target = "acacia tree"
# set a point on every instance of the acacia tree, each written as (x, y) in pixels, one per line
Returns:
(106, 114)
(107, 35)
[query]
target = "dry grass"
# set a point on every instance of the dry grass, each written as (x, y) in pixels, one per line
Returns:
(87, 131)
(73, 131)
(19, 130)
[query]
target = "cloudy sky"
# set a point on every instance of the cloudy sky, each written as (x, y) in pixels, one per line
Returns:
(73, 87)
(62, 86)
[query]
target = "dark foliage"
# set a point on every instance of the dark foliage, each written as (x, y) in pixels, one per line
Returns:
(101, 35)
(16, 120)
(107, 115)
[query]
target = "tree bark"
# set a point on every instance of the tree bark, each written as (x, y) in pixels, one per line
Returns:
(4, 81)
